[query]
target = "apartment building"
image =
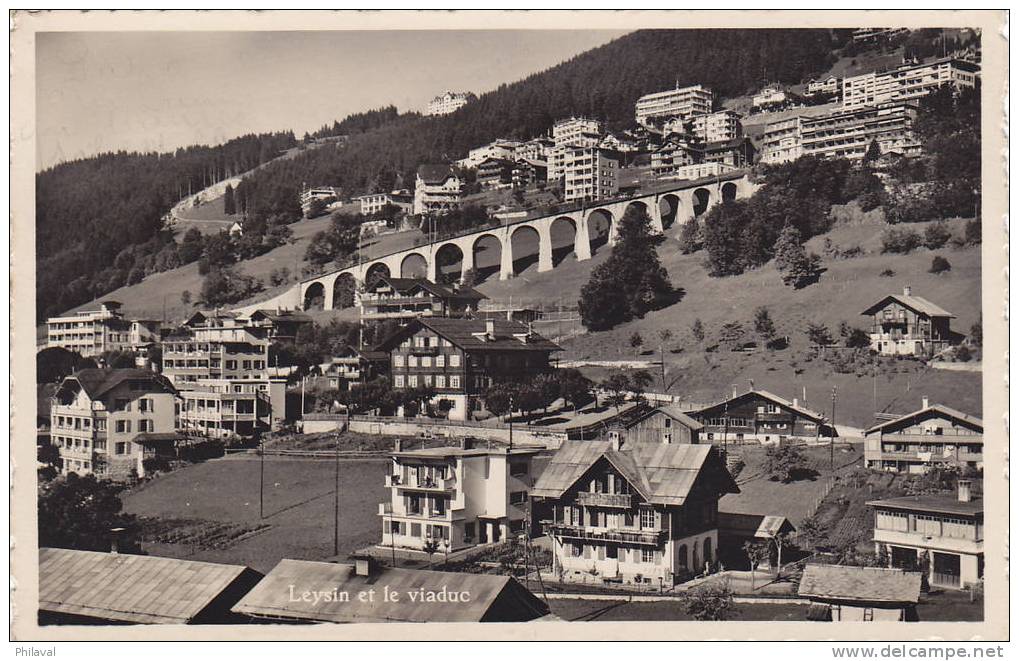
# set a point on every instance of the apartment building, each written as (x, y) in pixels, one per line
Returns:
(326, 194)
(407, 298)
(351, 366)
(682, 102)
(436, 189)
(676, 153)
(908, 325)
(107, 421)
(768, 97)
(375, 202)
(782, 140)
(907, 82)
(589, 173)
(568, 134)
(456, 497)
(535, 149)
(449, 102)
(848, 133)
(721, 126)
(216, 346)
(528, 171)
(736, 153)
(644, 513)
(761, 417)
(941, 535)
(93, 332)
(495, 173)
(694, 171)
(461, 358)
(234, 407)
(934, 435)
(501, 149)
(830, 85)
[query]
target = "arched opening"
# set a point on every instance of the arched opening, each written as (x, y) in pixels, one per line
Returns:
(695, 561)
(684, 558)
(638, 207)
(707, 549)
(487, 251)
(701, 200)
(668, 207)
(374, 272)
(525, 243)
(414, 265)
(315, 296)
(728, 191)
(449, 260)
(343, 291)
(599, 224)
(563, 231)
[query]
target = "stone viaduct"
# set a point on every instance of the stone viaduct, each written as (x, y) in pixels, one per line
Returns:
(591, 224)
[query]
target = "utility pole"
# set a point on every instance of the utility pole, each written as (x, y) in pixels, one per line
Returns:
(831, 444)
(725, 433)
(336, 495)
(511, 423)
(261, 477)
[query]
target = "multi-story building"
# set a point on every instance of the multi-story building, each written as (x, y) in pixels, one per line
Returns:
(907, 82)
(939, 534)
(721, 126)
(437, 189)
(326, 194)
(848, 133)
(107, 421)
(535, 149)
(236, 407)
(461, 496)
(501, 149)
(279, 325)
(376, 202)
(216, 346)
(682, 102)
(577, 131)
(449, 102)
(760, 416)
(529, 171)
(918, 441)
(676, 153)
(737, 153)
(407, 298)
(352, 366)
(461, 358)
(93, 332)
(494, 173)
(782, 141)
(698, 171)
(639, 513)
(589, 173)
(769, 97)
(830, 85)
(904, 324)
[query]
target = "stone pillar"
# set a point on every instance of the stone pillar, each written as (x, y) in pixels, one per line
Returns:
(582, 240)
(432, 264)
(544, 247)
(506, 266)
(468, 259)
(330, 290)
(613, 230)
(655, 212)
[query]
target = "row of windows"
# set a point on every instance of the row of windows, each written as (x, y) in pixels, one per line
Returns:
(120, 447)
(416, 529)
(230, 364)
(426, 361)
(438, 381)
(613, 551)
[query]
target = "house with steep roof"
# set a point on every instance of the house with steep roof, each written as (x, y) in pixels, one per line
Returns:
(406, 298)
(306, 592)
(666, 424)
(908, 325)
(760, 416)
(107, 421)
(436, 189)
(736, 529)
(931, 436)
(350, 366)
(89, 587)
(640, 514)
(461, 358)
(842, 593)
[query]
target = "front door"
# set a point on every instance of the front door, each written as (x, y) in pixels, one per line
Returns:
(946, 570)
(482, 532)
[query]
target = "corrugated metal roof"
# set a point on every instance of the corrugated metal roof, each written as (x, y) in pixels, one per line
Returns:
(129, 588)
(934, 408)
(847, 583)
(491, 597)
(915, 303)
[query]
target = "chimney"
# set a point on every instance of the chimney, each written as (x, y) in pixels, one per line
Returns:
(907, 291)
(734, 391)
(926, 401)
(364, 565)
(964, 495)
(796, 402)
(614, 440)
(490, 328)
(115, 540)
(398, 445)
(466, 443)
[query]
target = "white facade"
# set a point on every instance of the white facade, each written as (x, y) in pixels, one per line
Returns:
(589, 173)
(782, 141)
(848, 133)
(721, 126)
(907, 82)
(449, 102)
(699, 171)
(224, 408)
(682, 102)
(501, 149)
(536, 149)
(769, 96)
(91, 332)
(437, 196)
(581, 131)
(375, 202)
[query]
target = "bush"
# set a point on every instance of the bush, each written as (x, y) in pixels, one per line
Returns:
(156, 465)
(963, 354)
(936, 236)
(900, 241)
(939, 265)
(973, 232)
(887, 273)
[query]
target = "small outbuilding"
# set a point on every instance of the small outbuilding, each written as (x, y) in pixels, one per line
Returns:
(840, 593)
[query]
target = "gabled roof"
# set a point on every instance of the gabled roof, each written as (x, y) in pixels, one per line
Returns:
(282, 315)
(914, 303)
(408, 285)
(139, 589)
(870, 584)
(434, 173)
(937, 409)
(671, 410)
(760, 526)
(805, 412)
(469, 334)
(493, 598)
(97, 382)
(661, 473)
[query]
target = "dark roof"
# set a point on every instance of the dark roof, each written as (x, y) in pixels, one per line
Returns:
(407, 285)
(805, 412)
(460, 332)
(870, 584)
(934, 409)
(723, 145)
(671, 410)
(283, 315)
(493, 598)
(661, 473)
(915, 303)
(940, 503)
(97, 382)
(141, 589)
(157, 437)
(434, 173)
(761, 526)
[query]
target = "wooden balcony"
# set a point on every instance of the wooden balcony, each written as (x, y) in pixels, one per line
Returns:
(640, 537)
(620, 500)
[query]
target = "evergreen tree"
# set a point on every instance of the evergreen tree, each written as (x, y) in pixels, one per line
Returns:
(797, 267)
(229, 204)
(763, 325)
(873, 152)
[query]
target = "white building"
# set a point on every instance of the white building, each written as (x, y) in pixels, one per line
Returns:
(769, 96)
(500, 149)
(782, 140)
(699, 171)
(589, 173)
(907, 82)
(327, 194)
(829, 85)
(848, 133)
(93, 332)
(456, 496)
(536, 149)
(225, 408)
(436, 190)
(682, 102)
(375, 202)
(721, 126)
(449, 102)
(567, 134)
(935, 435)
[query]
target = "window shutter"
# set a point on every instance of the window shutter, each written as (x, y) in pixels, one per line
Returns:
(587, 552)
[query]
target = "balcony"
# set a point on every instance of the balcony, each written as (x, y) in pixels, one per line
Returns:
(426, 484)
(424, 351)
(640, 537)
(620, 500)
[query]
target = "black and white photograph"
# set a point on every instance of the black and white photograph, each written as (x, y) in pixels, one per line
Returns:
(542, 319)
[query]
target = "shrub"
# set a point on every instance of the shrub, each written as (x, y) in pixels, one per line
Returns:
(900, 241)
(939, 265)
(963, 354)
(887, 273)
(156, 465)
(936, 236)
(973, 232)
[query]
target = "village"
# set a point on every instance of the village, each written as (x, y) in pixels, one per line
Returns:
(448, 457)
